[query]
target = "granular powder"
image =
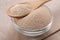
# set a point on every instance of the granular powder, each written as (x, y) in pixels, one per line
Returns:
(19, 10)
(37, 19)
(24, 8)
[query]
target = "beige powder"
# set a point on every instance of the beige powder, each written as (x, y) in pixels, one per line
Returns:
(35, 20)
(30, 14)
(19, 10)
(24, 8)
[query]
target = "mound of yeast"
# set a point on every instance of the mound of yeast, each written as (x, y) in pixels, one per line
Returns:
(35, 20)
